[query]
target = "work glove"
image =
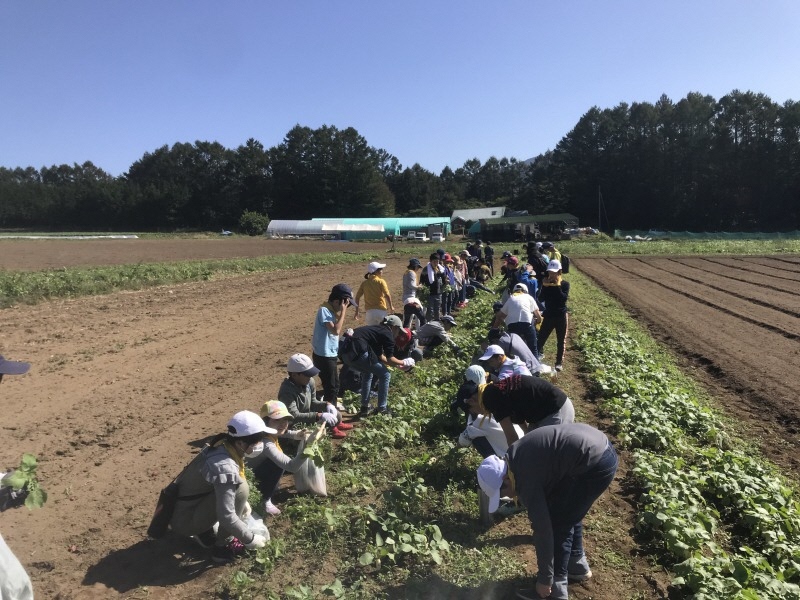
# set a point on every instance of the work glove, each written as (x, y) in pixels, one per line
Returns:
(331, 409)
(259, 541)
(409, 362)
(330, 420)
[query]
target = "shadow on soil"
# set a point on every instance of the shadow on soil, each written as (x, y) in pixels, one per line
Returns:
(168, 561)
(435, 588)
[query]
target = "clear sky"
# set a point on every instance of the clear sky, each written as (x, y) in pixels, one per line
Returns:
(434, 82)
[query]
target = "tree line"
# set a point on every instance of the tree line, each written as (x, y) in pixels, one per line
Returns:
(698, 164)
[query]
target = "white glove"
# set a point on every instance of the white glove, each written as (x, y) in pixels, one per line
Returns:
(330, 420)
(248, 510)
(259, 541)
(332, 410)
(409, 362)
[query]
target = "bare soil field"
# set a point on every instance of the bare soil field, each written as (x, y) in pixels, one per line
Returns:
(32, 255)
(735, 321)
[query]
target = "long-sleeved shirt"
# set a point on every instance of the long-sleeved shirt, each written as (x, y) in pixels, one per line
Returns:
(275, 455)
(301, 402)
(409, 284)
(554, 297)
(433, 330)
(540, 461)
(514, 345)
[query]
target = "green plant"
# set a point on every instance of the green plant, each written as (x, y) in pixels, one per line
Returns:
(253, 223)
(25, 478)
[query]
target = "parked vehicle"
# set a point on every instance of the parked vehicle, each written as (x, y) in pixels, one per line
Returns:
(421, 236)
(411, 236)
(437, 237)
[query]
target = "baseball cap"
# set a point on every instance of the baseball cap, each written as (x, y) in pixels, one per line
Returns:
(245, 423)
(506, 254)
(475, 374)
(521, 287)
(449, 319)
(491, 351)
(275, 409)
(403, 337)
(392, 320)
(490, 477)
(414, 262)
(342, 290)
(13, 367)
(547, 245)
(554, 265)
(374, 266)
(512, 262)
(300, 363)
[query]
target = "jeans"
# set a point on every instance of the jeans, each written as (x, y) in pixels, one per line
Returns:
(328, 376)
(527, 332)
(370, 365)
(568, 506)
(434, 307)
(560, 323)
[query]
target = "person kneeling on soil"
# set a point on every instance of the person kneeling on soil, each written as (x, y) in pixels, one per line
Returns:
(501, 365)
(524, 400)
(272, 463)
(213, 490)
(405, 345)
(368, 350)
(299, 393)
(435, 333)
(557, 472)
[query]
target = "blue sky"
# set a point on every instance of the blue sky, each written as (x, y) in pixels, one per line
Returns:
(434, 82)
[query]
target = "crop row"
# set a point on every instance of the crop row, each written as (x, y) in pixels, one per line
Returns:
(728, 524)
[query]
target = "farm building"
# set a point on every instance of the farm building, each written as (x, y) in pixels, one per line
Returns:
(463, 217)
(331, 230)
(522, 228)
(399, 225)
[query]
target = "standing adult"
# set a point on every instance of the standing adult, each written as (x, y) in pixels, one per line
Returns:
(411, 305)
(328, 326)
(557, 472)
(523, 400)
(369, 350)
(14, 581)
(520, 314)
(554, 295)
(213, 489)
(299, 393)
(488, 253)
(435, 277)
(377, 299)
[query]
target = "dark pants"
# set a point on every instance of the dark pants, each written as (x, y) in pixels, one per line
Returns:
(268, 476)
(328, 376)
(413, 310)
(568, 505)
(560, 324)
(434, 307)
(527, 332)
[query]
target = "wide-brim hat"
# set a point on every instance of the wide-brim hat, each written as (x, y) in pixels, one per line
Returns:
(13, 367)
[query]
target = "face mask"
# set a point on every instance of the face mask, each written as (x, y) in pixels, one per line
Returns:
(256, 449)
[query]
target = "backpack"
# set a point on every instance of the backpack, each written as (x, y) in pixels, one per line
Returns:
(564, 263)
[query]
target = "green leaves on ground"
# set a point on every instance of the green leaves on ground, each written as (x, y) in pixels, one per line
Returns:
(25, 478)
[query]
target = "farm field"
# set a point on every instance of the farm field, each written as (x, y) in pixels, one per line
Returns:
(735, 321)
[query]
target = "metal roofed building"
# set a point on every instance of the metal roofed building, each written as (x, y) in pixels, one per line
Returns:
(331, 230)
(398, 225)
(523, 228)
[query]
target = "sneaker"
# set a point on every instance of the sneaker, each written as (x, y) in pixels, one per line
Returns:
(559, 367)
(223, 555)
(344, 426)
(271, 509)
(206, 539)
(365, 411)
(383, 411)
(337, 434)
(580, 577)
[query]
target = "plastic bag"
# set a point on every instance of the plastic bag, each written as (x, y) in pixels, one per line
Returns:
(165, 507)
(255, 523)
(309, 477)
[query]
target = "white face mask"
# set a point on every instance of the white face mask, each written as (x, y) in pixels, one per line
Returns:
(255, 450)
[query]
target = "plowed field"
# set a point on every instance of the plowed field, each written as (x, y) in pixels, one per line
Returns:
(736, 320)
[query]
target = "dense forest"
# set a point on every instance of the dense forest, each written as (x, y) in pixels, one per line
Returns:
(699, 164)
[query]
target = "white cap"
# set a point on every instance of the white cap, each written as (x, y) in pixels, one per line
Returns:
(554, 266)
(491, 351)
(374, 266)
(521, 287)
(490, 477)
(475, 374)
(246, 423)
(300, 363)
